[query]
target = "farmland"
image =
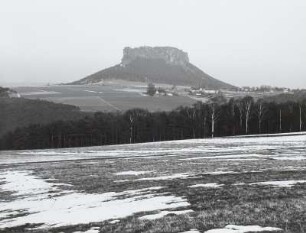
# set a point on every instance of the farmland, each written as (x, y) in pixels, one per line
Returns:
(108, 98)
(234, 184)
(121, 95)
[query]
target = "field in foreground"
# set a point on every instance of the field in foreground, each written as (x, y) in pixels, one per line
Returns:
(224, 185)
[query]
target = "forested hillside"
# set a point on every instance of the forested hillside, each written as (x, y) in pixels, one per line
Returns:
(4, 92)
(236, 117)
(19, 112)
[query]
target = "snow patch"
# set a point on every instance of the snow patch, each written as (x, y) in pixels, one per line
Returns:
(191, 231)
(40, 92)
(293, 158)
(95, 92)
(132, 173)
(21, 183)
(114, 221)
(239, 184)
(121, 181)
(282, 183)
(220, 173)
(208, 185)
(242, 229)
(58, 208)
(170, 177)
(91, 230)
(228, 157)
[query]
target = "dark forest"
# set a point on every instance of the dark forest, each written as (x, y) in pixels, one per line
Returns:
(215, 119)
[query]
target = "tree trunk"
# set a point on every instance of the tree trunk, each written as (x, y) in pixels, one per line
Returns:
(260, 115)
(300, 117)
(204, 126)
(131, 129)
(247, 116)
(213, 123)
(280, 120)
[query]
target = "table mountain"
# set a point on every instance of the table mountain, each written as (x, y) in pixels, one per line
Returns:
(156, 65)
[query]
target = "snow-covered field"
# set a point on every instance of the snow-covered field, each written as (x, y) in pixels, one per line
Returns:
(243, 184)
(278, 147)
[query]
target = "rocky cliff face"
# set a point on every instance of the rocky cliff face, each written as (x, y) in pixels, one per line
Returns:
(168, 54)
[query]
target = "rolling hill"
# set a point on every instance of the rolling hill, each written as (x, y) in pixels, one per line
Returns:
(19, 112)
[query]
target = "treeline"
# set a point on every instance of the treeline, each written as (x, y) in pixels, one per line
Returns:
(297, 96)
(236, 117)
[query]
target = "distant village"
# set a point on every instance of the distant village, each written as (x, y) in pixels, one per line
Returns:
(204, 94)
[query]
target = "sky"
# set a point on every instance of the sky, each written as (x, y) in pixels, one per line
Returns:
(242, 42)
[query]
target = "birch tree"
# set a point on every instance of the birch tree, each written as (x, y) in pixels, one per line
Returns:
(280, 120)
(133, 117)
(300, 115)
(261, 111)
(247, 103)
(214, 116)
(131, 121)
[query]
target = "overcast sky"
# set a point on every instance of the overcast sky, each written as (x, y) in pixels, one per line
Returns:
(242, 42)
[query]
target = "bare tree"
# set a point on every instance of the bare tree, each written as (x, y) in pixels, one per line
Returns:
(214, 116)
(261, 111)
(247, 109)
(232, 114)
(133, 117)
(291, 111)
(280, 120)
(301, 122)
(244, 107)
(213, 119)
(131, 127)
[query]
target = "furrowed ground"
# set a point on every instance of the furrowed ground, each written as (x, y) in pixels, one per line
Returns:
(199, 185)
